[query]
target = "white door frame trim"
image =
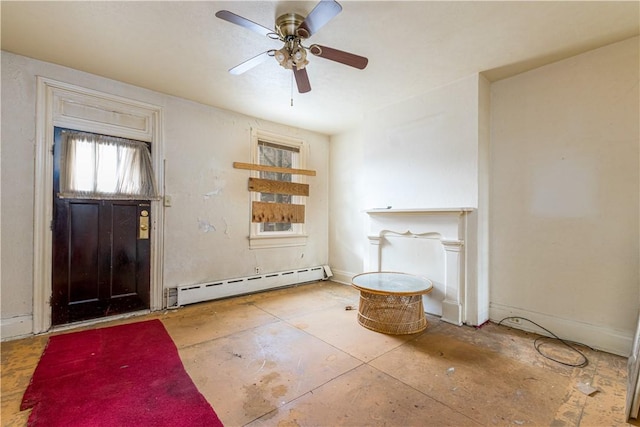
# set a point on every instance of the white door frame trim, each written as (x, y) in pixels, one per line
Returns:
(65, 105)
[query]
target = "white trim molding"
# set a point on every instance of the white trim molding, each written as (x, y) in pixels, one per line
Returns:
(60, 104)
(452, 310)
(341, 276)
(16, 327)
(601, 338)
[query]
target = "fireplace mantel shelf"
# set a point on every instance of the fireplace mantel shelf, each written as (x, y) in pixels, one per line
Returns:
(419, 210)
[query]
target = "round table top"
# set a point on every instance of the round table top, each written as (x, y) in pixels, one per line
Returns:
(385, 282)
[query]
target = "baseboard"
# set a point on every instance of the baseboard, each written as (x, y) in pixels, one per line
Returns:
(189, 294)
(342, 276)
(452, 312)
(16, 327)
(479, 318)
(601, 338)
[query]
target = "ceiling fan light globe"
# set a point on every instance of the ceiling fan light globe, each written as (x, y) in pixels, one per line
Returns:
(282, 56)
(298, 55)
(300, 65)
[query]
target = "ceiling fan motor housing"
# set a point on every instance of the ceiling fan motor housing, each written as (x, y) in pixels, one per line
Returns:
(287, 24)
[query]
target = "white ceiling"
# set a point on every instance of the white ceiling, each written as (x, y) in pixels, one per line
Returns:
(182, 49)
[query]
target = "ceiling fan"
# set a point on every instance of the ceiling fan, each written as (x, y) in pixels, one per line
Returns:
(292, 29)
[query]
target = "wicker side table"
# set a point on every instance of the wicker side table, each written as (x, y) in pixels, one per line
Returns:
(391, 303)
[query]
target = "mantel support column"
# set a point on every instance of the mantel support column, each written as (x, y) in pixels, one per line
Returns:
(372, 263)
(452, 304)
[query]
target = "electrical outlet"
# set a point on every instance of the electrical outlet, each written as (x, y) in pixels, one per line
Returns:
(515, 320)
(257, 270)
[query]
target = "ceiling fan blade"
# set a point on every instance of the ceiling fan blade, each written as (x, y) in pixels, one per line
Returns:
(324, 12)
(243, 22)
(343, 57)
(302, 80)
(250, 63)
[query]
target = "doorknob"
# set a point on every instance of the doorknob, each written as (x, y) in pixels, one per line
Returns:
(143, 231)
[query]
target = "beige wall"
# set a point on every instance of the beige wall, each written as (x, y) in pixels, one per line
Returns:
(206, 229)
(564, 196)
(208, 224)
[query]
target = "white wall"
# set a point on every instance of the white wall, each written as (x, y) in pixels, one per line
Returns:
(420, 153)
(347, 229)
(556, 186)
(424, 152)
(564, 196)
(206, 229)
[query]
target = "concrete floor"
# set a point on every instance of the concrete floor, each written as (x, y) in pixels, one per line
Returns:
(296, 357)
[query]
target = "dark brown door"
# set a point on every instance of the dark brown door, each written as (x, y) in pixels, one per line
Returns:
(101, 255)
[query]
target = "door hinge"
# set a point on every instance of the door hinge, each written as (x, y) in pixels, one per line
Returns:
(51, 225)
(53, 148)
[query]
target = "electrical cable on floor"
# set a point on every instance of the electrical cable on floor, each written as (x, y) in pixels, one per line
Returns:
(537, 343)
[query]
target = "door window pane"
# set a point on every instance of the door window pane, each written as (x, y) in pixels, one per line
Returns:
(104, 167)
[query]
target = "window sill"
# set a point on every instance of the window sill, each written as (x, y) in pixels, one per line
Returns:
(263, 242)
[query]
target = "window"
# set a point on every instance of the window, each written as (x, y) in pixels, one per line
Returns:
(278, 151)
(105, 167)
(282, 156)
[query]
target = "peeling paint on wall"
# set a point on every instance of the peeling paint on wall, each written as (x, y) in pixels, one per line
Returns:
(205, 226)
(211, 179)
(226, 227)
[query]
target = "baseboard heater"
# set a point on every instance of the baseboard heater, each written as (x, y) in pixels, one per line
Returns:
(189, 294)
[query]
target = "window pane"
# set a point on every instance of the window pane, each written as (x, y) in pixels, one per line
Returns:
(279, 156)
(82, 174)
(106, 168)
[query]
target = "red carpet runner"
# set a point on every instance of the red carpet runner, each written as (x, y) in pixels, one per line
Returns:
(128, 375)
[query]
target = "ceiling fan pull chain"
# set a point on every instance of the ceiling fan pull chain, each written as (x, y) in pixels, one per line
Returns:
(292, 89)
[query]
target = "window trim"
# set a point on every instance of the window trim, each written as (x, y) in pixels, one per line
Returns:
(273, 239)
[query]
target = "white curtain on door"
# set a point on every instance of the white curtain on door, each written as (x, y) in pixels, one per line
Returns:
(104, 167)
